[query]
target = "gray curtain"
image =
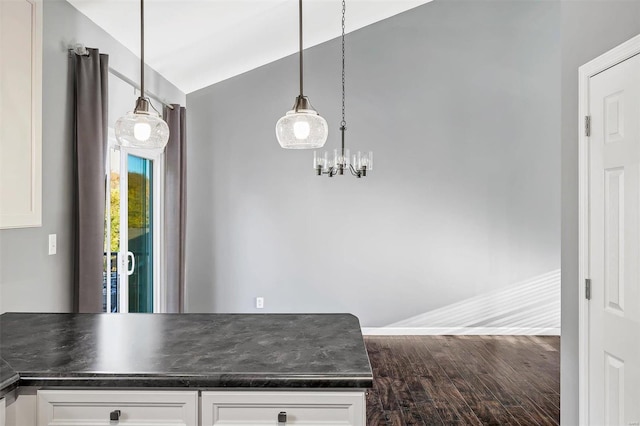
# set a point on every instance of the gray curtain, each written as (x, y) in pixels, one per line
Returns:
(90, 145)
(175, 206)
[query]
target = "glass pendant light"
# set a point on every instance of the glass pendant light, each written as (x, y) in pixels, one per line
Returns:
(360, 163)
(142, 128)
(302, 127)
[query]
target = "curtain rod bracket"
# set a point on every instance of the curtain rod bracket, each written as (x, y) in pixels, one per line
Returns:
(79, 50)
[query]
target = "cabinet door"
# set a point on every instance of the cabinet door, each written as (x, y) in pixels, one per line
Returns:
(259, 408)
(3, 412)
(20, 113)
(77, 407)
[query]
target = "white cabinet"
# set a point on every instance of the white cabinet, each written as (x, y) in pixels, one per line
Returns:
(244, 408)
(3, 412)
(96, 408)
(20, 411)
(20, 113)
(216, 408)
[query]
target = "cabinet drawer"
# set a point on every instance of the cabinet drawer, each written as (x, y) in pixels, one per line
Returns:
(77, 407)
(242, 408)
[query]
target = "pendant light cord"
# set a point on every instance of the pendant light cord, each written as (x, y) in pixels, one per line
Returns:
(142, 48)
(343, 123)
(301, 60)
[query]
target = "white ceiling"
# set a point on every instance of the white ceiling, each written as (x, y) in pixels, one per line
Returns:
(195, 43)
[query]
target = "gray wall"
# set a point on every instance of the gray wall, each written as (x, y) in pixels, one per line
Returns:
(30, 280)
(589, 28)
(460, 102)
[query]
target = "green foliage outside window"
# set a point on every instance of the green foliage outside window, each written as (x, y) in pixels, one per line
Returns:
(138, 199)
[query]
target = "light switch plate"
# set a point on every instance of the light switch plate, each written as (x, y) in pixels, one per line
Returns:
(53, 245)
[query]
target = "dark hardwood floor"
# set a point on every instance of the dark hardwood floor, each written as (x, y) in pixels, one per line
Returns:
(464, 380)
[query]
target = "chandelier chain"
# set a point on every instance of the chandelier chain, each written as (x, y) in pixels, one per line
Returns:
(343, 123)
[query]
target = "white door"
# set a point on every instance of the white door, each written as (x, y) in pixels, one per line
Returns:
(614, 245)
(133, 277)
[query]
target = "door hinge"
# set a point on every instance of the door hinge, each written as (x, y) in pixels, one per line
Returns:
(587, 125)
(587, 289)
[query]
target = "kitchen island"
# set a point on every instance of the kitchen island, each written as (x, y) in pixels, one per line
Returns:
(238, 367)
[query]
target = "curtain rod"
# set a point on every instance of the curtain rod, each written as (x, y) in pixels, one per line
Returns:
(137, 86)
(82, 51)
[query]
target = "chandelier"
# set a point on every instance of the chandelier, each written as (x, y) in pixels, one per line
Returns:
(336, 164)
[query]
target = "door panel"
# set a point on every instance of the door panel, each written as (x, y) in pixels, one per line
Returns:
(614, 242)
(614, 117)
(614, 389)
(614, 235)
(140, 233)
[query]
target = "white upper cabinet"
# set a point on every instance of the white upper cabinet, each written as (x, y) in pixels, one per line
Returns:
(20, 113)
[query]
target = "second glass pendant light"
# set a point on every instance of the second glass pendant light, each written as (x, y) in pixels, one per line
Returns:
(302, 127)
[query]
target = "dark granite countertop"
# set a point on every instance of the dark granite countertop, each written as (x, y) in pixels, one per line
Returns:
(184, 350)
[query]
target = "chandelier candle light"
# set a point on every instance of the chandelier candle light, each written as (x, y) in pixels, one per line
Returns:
(360, 163)
(142, 128)
(302, 127)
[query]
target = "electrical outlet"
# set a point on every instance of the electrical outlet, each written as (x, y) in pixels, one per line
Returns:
(53, 245)
(259, 302)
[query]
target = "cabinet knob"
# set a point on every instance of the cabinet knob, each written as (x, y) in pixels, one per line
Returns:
(282, 418)
(115, 415)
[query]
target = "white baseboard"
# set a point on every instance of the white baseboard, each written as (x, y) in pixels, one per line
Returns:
(469, 331)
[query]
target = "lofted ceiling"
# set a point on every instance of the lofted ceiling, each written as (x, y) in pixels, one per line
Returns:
(195, 43)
